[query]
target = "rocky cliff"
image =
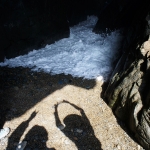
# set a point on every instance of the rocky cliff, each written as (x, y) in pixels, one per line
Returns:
(128, 92)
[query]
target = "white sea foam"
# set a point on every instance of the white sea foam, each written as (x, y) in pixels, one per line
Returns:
(83, 54)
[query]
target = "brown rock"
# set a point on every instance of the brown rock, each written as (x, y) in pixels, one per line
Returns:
(147, 45)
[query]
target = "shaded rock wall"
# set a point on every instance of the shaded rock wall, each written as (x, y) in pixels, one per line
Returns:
(128, 91)
(120, 14)
(26, 25)
(77, 10)
(30, 24)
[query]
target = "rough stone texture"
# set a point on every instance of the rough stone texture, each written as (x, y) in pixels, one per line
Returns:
(128, 91)
(27, 25)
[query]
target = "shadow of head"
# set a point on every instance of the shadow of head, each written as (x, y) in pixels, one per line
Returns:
(37, 138)
(75, 121)
(79, 130)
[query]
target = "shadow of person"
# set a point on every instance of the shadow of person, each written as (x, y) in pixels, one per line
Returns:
(78, 129)
(36, 138)
(16, 135)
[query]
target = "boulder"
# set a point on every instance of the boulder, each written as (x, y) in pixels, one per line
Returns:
(128, 92)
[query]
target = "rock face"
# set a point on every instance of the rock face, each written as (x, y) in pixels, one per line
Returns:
(77, 10)
(128, 92)
(27, 25)
(120, 14)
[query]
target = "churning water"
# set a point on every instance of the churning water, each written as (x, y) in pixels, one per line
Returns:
(84, 54)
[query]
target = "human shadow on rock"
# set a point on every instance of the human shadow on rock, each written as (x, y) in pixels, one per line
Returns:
(36, 138)
(78, 129)
(16, 135)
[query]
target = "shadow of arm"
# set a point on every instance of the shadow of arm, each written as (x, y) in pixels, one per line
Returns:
(81, 111)
(57, 119)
